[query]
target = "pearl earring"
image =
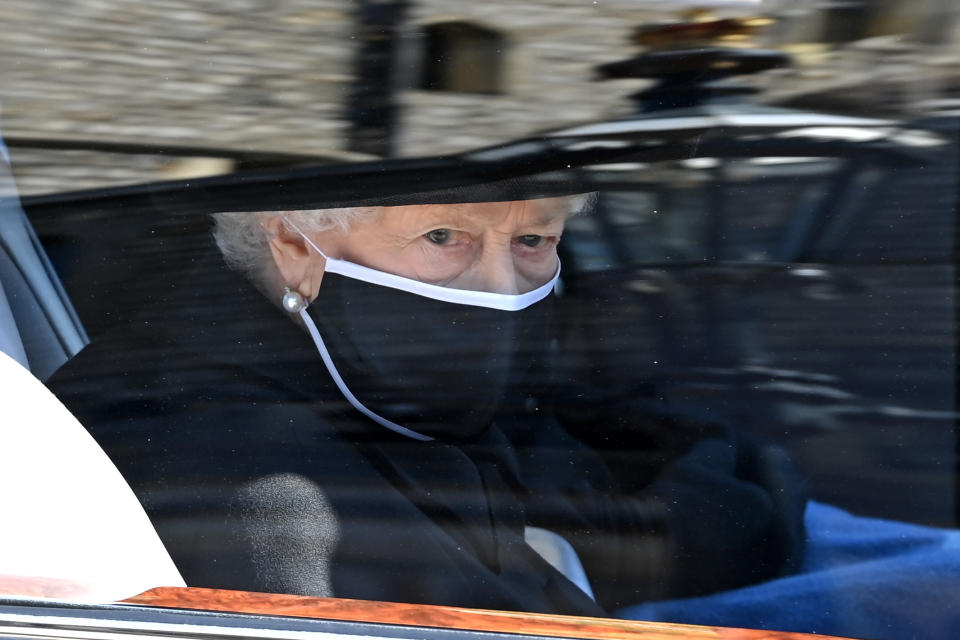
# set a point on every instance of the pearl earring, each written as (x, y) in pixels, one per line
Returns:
(293, 302)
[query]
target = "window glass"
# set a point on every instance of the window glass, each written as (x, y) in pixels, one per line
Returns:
(462, 57)
(665, 332)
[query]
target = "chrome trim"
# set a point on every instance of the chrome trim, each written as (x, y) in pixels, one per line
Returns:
(60, 627)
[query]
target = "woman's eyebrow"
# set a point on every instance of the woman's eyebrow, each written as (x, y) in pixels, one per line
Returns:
(553, 215)
(452, 215)
(467, 215)
(560, 214)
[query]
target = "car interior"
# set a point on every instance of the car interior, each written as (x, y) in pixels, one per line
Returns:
(781, 269)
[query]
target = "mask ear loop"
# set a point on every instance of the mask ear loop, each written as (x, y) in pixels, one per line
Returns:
(307, 238)
(352, 399)
(332, 368)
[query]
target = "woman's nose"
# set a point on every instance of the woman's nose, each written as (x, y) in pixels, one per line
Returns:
(497, 272)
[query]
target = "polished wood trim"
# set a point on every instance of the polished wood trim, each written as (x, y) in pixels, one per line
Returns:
(443, 617)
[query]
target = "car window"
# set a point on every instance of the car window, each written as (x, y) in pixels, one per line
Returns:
(608, 310)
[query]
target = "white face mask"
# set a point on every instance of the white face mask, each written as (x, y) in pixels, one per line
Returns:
(500, 301)
(485, 299)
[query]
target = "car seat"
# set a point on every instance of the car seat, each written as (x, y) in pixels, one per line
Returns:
(38, 326)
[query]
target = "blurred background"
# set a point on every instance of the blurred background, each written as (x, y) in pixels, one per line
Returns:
(117, 91)
(809, 299)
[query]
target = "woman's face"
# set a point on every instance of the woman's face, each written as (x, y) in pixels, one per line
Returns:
(501, 247)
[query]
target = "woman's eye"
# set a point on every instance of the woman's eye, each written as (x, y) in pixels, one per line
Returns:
(530, 240)
(439, 236)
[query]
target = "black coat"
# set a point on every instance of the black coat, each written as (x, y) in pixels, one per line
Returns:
(257, 475)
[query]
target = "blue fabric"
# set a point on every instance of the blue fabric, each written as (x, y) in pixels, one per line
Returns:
(863, 577)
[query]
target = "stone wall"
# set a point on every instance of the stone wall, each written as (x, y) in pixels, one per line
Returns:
(256, 75)
(549, 62)
(239, 75)
(259, 74)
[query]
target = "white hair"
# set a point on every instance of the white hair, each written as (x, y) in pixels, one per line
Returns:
(243, 241)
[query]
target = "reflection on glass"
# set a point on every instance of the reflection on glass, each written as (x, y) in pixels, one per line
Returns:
(738, 392)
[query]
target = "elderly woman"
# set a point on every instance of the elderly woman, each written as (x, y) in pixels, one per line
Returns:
(368, 414)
